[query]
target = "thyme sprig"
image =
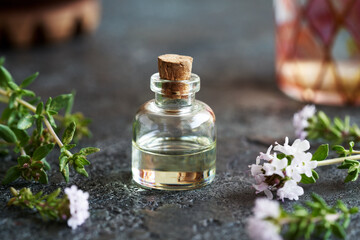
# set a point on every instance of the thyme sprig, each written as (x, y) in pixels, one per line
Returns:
(317, 125)
(25, 113)
(73, 206)
(315, 219)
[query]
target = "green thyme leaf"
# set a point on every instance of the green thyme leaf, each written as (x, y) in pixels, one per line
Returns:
(23, 159)
(51, 119)
(22, 136)
(324, 119)
(352, 176)
(27, 93)
(13, 86)
(12, 100)
(338, 230)
(48, 104)
(25, 122)
(90, 150)
(353, 210)
(52, 112)
(60, 102)
(321, 153)
(340, 150)
(12, 174)
(309, 230)
(339, 124)
(315, 174)
(5, 76)
(6, 114)
(69, 146)
(46, 164)
(43, 177)
(62, 162)
(307, 180)
(29, 80)
(81, 161)
(42, 151)
(53, 195)
(39, 108)
(37, 165)
(65, 172)
(7, 134)
(69, 133)
(39, 125)
(82, 171)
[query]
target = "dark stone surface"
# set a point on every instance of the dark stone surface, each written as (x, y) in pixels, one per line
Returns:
(232, 45)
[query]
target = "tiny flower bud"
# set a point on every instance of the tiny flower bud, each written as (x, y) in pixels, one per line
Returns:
(37, 176)
(26, 165)
(11, 201)
(276, 181)
(14, 192)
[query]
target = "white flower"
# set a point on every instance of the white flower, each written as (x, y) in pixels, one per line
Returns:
(265, 156)
(301, 164)
(300, 120)
(79, 206)
(298, 146)
(290, 190)
(265, 208)
(306, 165)
(263, 187)
(256, 169)
(275, 167)
(293, 173)
(262, 230)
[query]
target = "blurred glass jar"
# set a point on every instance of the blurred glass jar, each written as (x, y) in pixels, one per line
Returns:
(318, 50)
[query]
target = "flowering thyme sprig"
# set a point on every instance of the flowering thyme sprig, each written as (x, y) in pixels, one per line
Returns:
(270, 221)
(317, 125)
(282, 170)
(73, 206)
(22, 128)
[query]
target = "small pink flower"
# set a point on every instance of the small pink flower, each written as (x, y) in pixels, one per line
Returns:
(265, 208)
(79, 206)
(290, 190)
(300, 120)
(258, 229)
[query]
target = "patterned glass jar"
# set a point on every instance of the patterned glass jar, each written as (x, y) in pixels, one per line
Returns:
(318, 50)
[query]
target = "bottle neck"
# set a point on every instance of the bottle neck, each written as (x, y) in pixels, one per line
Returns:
(165, 101)
(174, 94)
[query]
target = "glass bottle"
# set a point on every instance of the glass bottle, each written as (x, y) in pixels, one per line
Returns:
(174, 139)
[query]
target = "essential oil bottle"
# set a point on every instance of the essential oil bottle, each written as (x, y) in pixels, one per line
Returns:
(174, 135)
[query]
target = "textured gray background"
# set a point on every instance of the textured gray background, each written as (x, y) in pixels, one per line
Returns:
(232, 45)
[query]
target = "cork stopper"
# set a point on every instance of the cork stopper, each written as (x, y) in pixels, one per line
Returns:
(175, 67)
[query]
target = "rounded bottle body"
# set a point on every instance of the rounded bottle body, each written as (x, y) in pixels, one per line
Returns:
(174, 148)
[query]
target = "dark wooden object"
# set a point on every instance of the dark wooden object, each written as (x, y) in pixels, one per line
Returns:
(24, 23)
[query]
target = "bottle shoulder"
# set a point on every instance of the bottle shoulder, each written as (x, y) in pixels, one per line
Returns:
(151, 108)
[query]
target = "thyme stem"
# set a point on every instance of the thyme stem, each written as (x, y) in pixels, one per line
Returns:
(338, 160)
(47, 123)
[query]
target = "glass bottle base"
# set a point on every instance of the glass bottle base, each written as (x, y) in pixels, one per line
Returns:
(172, 180)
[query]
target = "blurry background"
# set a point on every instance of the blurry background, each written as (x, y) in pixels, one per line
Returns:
(231, 42)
